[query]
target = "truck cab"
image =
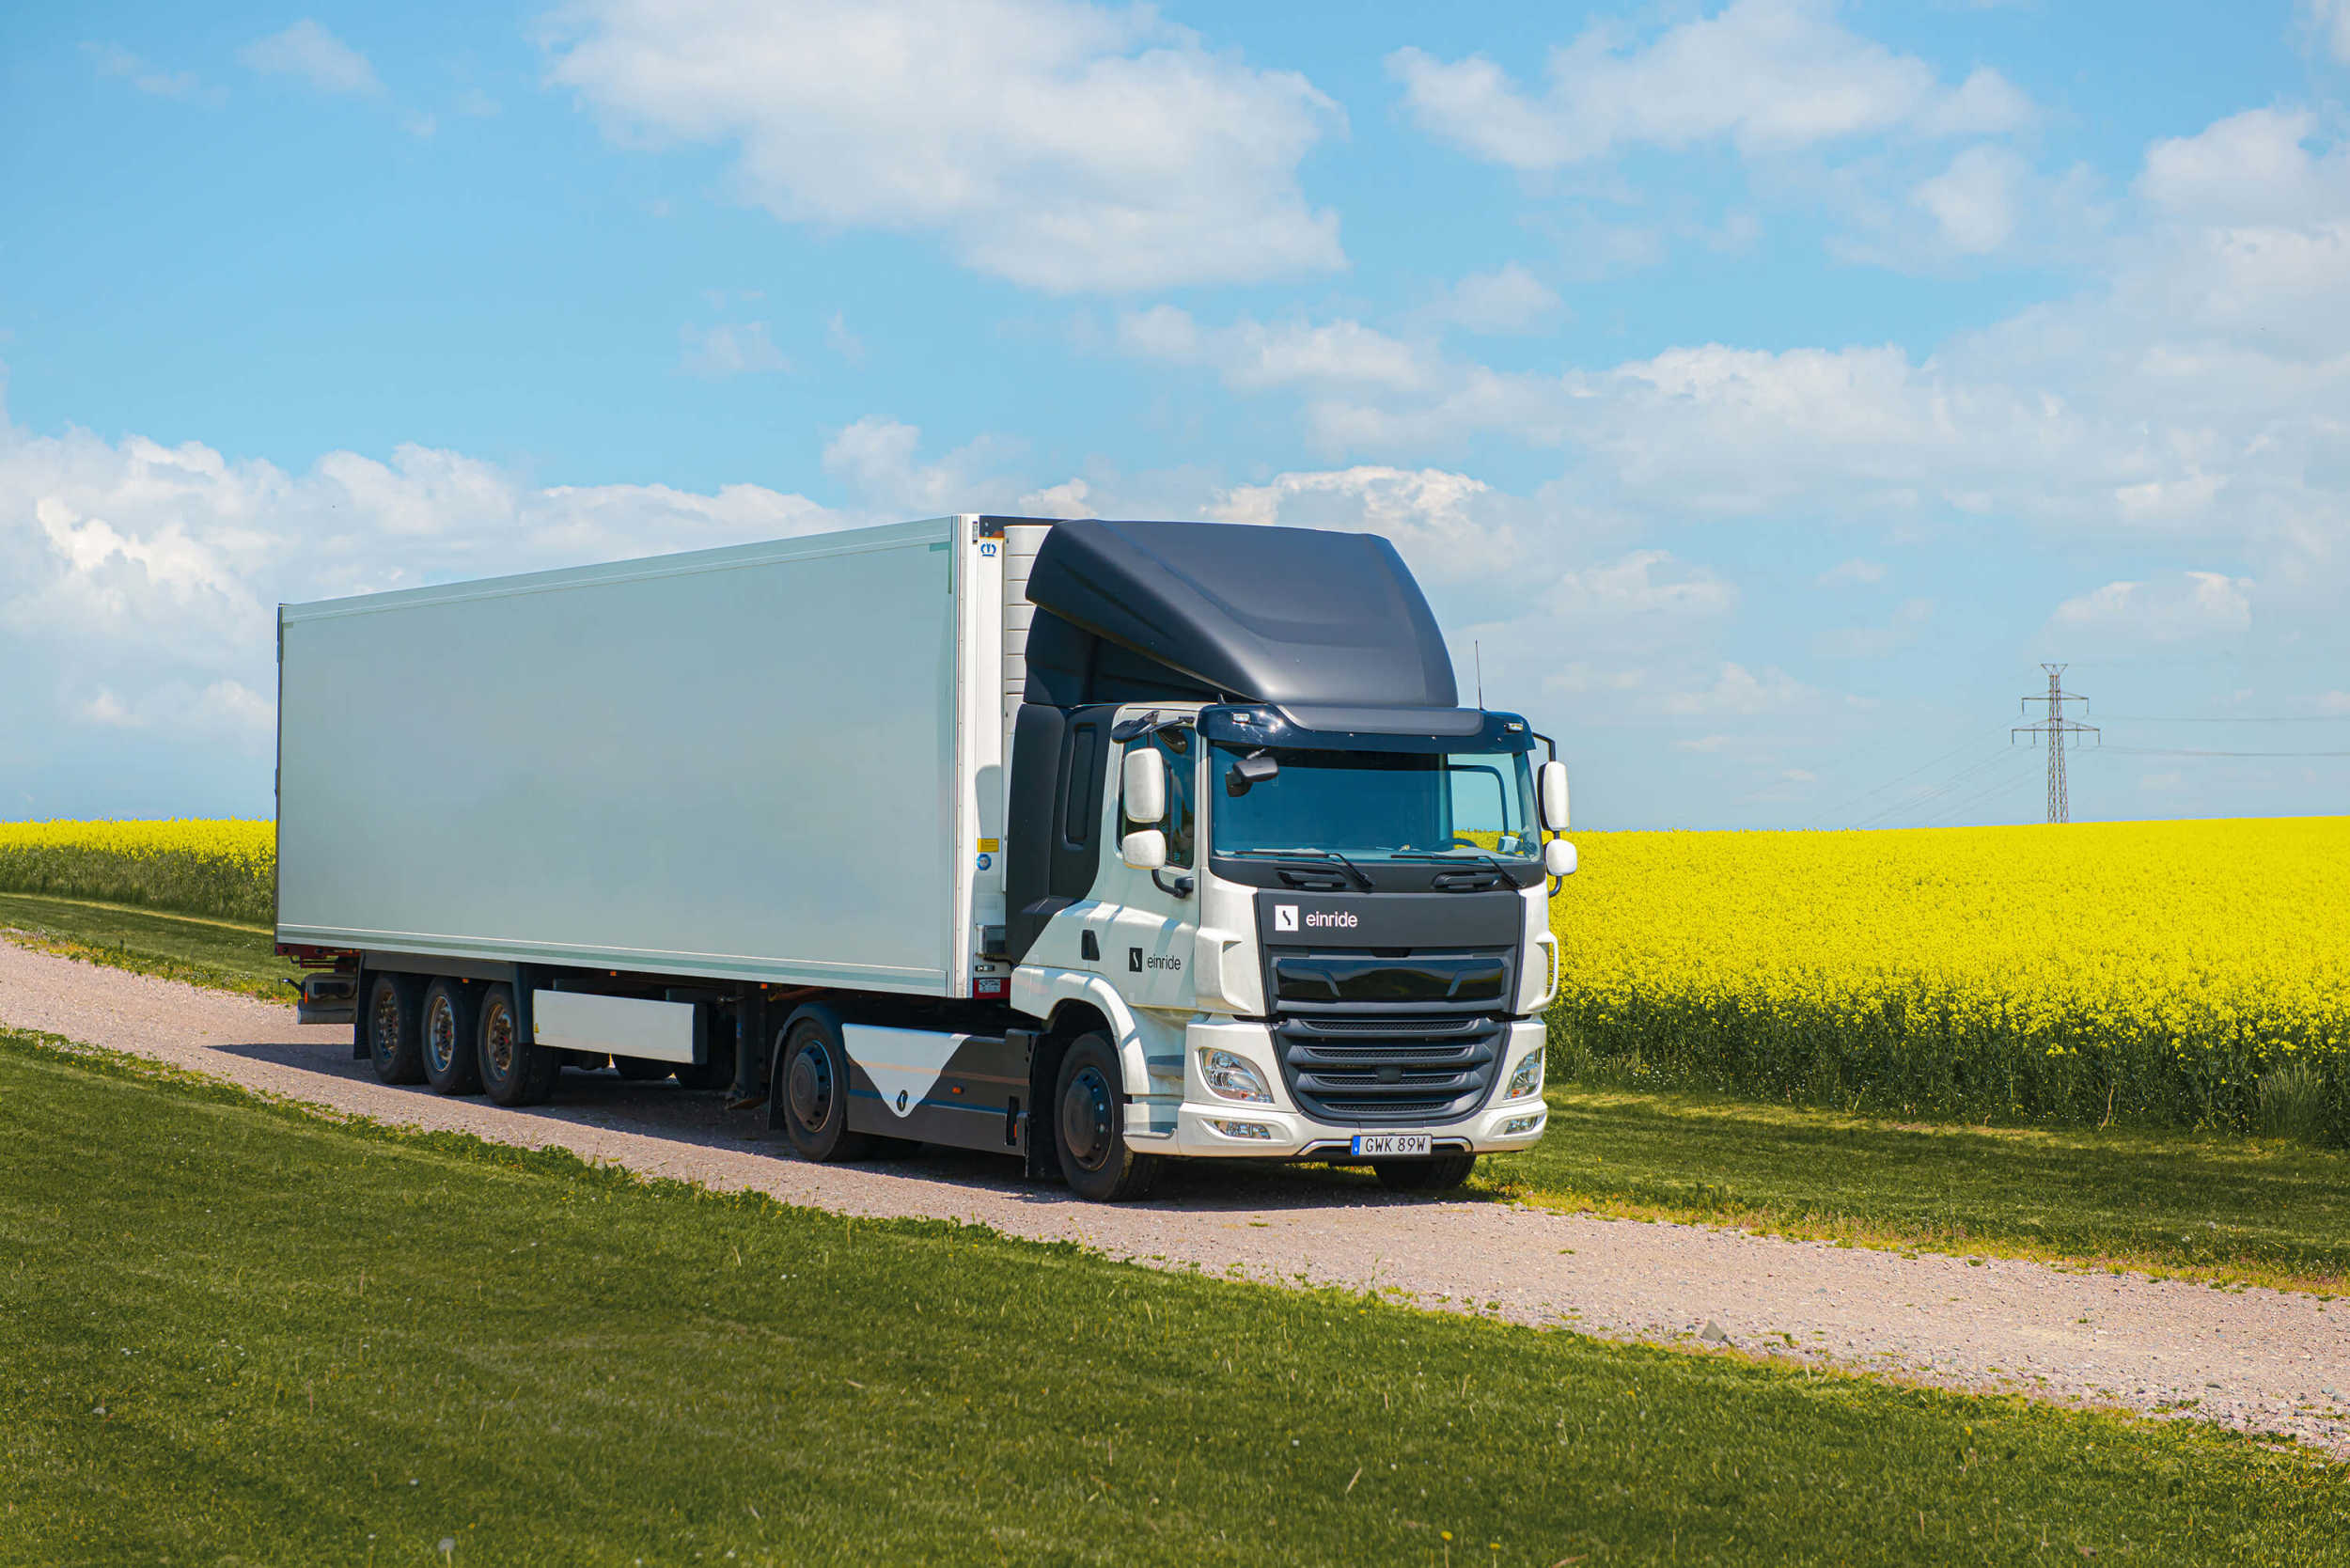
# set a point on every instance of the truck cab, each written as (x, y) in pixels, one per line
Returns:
(1302, 930)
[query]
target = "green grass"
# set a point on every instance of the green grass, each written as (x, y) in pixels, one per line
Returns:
(2202, 1206)
(2209, 1206)
(231, 1328)
(219, 953)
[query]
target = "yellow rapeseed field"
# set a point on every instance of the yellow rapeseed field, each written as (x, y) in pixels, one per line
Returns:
(2190, 973)
(226, 869)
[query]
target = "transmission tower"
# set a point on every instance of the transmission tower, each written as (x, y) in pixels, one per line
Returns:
(2056, 727)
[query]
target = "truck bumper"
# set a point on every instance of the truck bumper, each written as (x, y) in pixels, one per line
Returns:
(1211, 1127)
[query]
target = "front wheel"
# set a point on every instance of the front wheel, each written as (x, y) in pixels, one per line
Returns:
(1441, 1173)
(812, 1084)
(1089, 1126)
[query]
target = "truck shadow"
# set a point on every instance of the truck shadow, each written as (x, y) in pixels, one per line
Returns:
(607, 1102)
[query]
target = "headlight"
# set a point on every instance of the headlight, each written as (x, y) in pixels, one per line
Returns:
(1527, 1080)
(1232, 1078)
(1256, 1130)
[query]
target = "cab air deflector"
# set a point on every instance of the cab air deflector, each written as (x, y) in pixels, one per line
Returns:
(1137, 611)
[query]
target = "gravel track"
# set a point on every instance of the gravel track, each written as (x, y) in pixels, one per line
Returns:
(2252, 1358)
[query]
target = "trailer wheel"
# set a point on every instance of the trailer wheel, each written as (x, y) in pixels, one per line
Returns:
(1089, 1126)
(452, 1065)
(394, 1039)
(812, 1087)
(1441, 1173)
(515, 1071)
(641, 1069)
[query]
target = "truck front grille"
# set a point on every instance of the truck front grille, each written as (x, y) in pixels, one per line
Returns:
(1388, 1070)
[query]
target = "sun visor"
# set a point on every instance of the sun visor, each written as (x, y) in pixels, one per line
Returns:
(1252, 614)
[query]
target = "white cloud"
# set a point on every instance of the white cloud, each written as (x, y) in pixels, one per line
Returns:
(2254, 167)
(1769, 76)
(837, 338)
(731, 349)
(137, 580)
(1876, 642)
(1509, 298)
(1450, 524)
(2191, 605)
(317, 56)
(1060, 145)
(877, 458)
(1638, 585)
(1067, 499)
(1850, 574)
(2328, 21)
(114, 61)
(1704, 743)
(1974, 199)
(1738, 690)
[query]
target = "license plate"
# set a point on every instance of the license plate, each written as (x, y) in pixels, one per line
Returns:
(1378, 1144)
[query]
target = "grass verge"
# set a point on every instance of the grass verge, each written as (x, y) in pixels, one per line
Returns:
(217, 954)
(232, 1327)
(2201, 1206)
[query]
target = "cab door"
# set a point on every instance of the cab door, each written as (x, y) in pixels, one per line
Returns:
(1146, 923)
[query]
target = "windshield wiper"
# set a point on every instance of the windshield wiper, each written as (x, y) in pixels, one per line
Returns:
(1449, 857)
(1352, 870)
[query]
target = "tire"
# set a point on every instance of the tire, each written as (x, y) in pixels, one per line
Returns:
(448, 1032)
(395, 1040)
(640, 1070)
(515, 1071)
(1438, 1173)
(811, 1089)
(1089, 1126)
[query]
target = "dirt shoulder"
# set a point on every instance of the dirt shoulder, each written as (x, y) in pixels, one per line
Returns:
(2253, 1359)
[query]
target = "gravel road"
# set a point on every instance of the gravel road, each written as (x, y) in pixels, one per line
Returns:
(2257, 1359)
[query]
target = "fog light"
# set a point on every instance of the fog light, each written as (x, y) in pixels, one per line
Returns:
(1527, 1080)
(1242, 1129)
(1517, 1124)
(1230, 1077)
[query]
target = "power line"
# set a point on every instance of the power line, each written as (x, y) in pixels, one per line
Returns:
(2176, 751)
(2003, 786)
(1911, 801)
(1841, 809)
(2221, 718)
(2056, 727)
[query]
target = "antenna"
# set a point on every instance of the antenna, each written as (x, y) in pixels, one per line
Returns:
(2056, 727)
(1478, 648)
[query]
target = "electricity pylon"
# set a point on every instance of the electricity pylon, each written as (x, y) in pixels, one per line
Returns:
(2056, 727)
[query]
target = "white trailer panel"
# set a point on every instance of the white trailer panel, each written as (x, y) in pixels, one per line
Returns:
(613, 1025)
(752, 763)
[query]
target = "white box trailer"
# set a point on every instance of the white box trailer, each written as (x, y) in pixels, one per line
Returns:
(776, 763)
(915, 830)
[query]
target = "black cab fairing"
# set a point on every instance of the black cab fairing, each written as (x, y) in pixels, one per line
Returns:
(1371, 799)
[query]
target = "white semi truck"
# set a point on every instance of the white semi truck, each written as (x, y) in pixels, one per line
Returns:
(1096, 843)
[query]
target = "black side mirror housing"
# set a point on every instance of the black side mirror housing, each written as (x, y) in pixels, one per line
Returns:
(1249, 772)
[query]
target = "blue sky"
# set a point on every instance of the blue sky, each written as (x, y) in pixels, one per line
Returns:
(1763, 389)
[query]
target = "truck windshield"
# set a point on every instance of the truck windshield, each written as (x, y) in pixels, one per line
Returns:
(1366, 805)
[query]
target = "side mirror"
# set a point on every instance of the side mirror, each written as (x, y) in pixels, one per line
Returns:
(1146, 785)
(1550, 785)
(1249, 772)
(1557, 858)
(1146, 851)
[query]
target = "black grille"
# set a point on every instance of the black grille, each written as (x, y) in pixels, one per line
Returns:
(1388, 1070)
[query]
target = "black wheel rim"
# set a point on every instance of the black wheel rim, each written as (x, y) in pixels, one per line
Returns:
(387, 1034)
(809, 1087)
(440, 1034)
(497, 1041)
(1085, 1117)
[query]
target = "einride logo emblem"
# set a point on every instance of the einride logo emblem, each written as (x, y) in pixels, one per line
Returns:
(1285, 917)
